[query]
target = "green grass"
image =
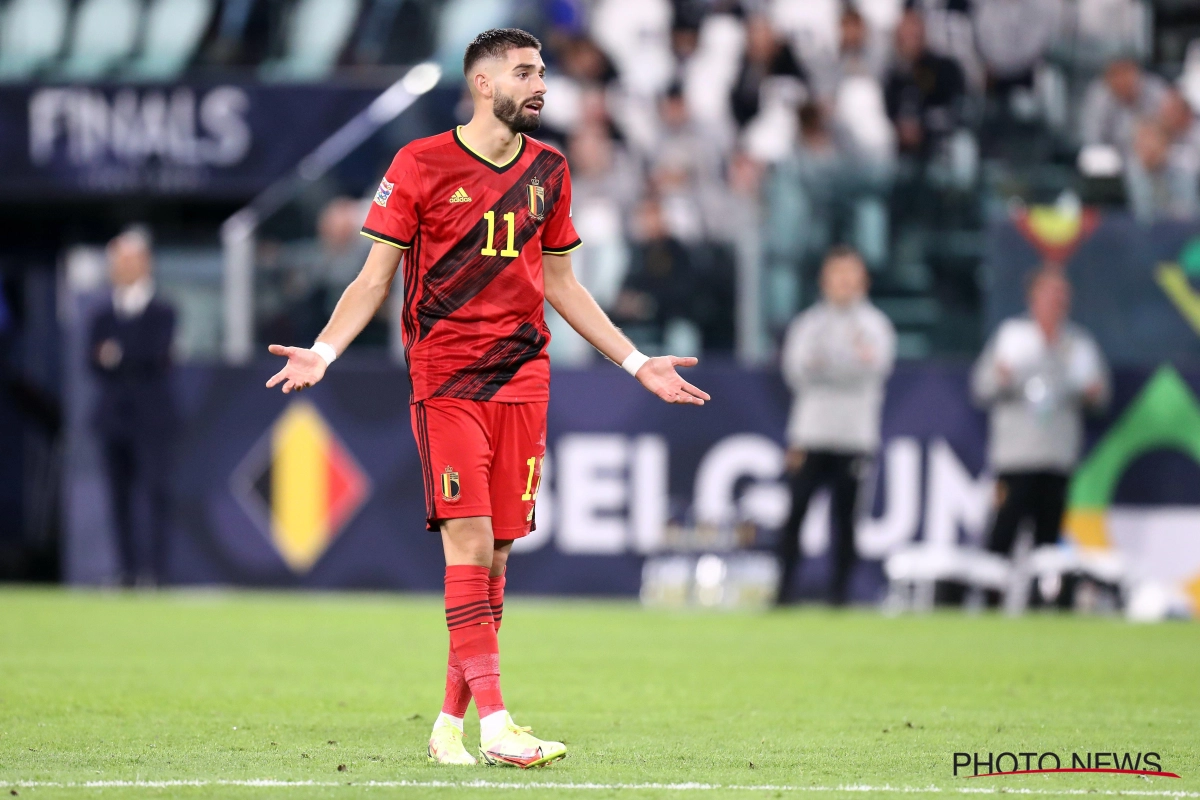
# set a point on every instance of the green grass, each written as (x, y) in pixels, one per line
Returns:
(209, 687)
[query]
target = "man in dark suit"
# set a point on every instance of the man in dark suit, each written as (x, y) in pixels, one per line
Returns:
(130, 353)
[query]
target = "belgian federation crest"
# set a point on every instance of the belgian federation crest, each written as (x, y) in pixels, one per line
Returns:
(451, 486)
(537, 199)
(384, 192)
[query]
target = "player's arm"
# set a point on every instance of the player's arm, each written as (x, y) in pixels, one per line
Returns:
(358, 305)
(577, 306)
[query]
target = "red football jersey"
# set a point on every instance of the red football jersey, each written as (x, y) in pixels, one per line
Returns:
(475, 232)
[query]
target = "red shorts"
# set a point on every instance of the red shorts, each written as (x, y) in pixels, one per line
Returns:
(481, 459)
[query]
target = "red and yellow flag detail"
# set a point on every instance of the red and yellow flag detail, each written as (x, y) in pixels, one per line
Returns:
(310, 484)
(1056, 234)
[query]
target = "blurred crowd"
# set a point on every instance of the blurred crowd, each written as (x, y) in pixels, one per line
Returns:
(701, 132)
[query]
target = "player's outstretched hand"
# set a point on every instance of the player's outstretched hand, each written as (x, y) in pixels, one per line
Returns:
(303, 368)
(659, 376)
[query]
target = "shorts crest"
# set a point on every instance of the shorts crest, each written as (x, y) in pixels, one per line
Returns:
(451, 485)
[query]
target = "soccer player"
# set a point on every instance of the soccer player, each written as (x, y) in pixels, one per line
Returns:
(482, 217)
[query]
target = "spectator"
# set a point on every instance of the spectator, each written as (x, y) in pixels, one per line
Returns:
(129, 347)
(807, 188)
(766, 57)
(1036, 376)
(836, 357)
(1181, 128)
(862, 52)
(1013, 37)
(583, 69)
(309, 277)
(1115, 102)
(950, 32)
(686, 171)
(923, 91)
(1160, 181)
(604, 187)
(659, 288)
(636, 35)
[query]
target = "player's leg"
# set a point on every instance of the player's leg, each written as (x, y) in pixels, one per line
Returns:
(458, 691)
(496, 580)
(454, 451)
(519, 437)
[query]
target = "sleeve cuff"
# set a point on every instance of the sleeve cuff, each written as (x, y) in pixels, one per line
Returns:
(562, 251)
(385, 239)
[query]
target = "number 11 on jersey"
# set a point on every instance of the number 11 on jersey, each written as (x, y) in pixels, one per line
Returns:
(511, 220)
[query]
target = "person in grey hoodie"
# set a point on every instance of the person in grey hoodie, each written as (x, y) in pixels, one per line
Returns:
(1037, 376)
(836, 358)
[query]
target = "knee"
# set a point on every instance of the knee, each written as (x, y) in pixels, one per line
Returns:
(468, 541)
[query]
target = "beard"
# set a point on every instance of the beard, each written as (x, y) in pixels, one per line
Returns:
(512, 114)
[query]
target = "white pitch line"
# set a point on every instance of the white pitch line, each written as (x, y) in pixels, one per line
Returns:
(675, 787)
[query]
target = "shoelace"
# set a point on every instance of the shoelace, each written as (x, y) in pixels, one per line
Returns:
(519, 729)
(455, 733)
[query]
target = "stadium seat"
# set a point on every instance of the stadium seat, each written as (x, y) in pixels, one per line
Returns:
(173, 32)
(636, 36)
(395, 32)
(316, 34)
(810, 25)
(31, 33)
(458, 24)
(104, 32)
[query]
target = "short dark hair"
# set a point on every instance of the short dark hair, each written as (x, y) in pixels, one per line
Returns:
(495, 43)
(1051, 270)
(839, 251)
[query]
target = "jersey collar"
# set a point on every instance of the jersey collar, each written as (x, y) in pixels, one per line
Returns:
(488, 162)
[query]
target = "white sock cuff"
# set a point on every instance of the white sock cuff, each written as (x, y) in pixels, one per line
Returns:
(492, 725)
(444, 718)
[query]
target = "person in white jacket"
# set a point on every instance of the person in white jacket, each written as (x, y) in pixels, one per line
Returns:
(1036, 377)
(837, 356)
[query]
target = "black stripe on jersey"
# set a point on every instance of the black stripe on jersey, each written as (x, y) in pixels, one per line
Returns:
(488, 374)
(463, 272)
(490, 164)
(383, 237)
(408, 319)
(561, 251)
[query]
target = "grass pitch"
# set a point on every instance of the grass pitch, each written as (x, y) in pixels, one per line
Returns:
(156, 690)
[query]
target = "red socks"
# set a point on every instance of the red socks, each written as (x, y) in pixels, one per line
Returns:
(473, 643)
(496, 598)
(458, 693)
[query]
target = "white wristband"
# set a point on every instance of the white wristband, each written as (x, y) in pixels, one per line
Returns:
(634, 361)
(325, 351)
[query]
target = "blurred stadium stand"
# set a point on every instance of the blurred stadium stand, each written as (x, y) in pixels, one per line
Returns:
(717, 145)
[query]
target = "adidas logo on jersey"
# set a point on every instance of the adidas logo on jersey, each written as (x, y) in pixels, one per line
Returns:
(460, 196)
